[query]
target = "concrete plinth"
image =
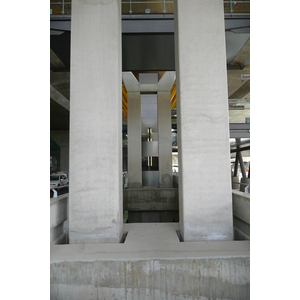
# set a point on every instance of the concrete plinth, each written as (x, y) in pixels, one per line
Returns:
(235, 182)
(151, 264)
(244, 183)
(203, 124)
(96, 208)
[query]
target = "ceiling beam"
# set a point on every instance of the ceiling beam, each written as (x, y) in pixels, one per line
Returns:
(55, 60)
(241, 91)
(59, 98)
(242, 59)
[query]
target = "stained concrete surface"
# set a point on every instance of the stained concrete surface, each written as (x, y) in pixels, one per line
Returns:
(151, 264)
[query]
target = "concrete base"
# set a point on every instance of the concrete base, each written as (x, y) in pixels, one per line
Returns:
(235, 183)
(241, 215)
(153, 216)
(151, 264)
(244, 183)
(150, 198)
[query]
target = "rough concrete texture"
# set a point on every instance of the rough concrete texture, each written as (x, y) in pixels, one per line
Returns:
(58, 215)
(96, 206)
(134, 127)
(202, 121)
(241, 215)
(151, 264)
(164, 139)
(150, 198)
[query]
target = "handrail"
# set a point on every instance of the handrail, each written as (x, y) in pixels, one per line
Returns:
(231, 3)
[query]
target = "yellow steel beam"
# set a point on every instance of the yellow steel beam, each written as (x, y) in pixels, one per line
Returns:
(173, 103)
(124, 105)
(173, 91)
(124, 93)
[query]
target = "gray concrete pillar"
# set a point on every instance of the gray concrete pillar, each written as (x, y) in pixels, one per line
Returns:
(134, 131)
(164, 124)
(164, 139)
(61, 137)
(95, 198)
(205, 203)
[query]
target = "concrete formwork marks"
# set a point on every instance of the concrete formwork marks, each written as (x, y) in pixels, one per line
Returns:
(188, 278)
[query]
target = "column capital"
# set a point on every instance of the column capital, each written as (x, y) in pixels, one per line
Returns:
(166, 82)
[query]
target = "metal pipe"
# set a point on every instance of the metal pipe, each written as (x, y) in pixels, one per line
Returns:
(130, 10)
(63, 9)
(231, 6)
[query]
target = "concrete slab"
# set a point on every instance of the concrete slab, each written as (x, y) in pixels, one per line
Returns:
(150, 241)
(151, 264)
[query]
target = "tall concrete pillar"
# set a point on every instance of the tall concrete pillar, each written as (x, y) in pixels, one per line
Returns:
(203, 126)
(164, 129)
(134, 130)
(61, 137)
(95, 198)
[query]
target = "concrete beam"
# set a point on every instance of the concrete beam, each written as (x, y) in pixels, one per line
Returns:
(130, 82)
(59, 98)
(242, 91)
(55, 60)
(165, 84)
(243, 56)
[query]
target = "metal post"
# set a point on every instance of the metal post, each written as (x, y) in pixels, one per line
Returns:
(164, 7)
(249, 170)
(63, 8)
(130, 11)
(231, 6)
(242, 164)
(236, 165)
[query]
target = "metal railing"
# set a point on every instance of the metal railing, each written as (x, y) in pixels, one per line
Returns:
(164, 2)
(154, 6)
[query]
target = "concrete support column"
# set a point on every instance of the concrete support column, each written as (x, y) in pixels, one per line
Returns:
(96, 204)
(61, 137)
(134, 131)
(164, 139)
(205, 200)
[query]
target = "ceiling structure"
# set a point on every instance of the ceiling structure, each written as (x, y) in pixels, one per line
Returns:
(148, 28)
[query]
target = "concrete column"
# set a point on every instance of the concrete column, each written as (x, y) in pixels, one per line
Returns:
(205, 203)
(61, 137)
(164, 87)
(164, 139)
(96, 204)
(134, 130)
